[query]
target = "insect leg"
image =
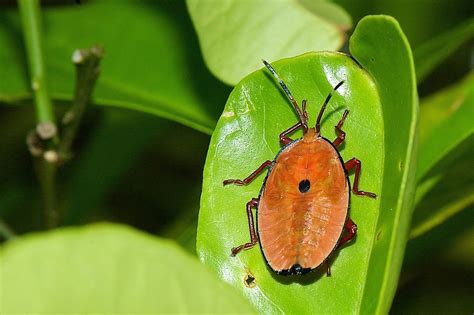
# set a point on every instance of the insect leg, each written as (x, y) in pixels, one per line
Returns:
(327, 263)
(355, 163)
(249, 178)
(284, 139)
(341, 135)
(351, 229)
(253, 235)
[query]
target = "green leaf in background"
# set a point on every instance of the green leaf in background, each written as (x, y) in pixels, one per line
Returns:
(440, 258)
(247, 134)
(445, 123)
(420, 20)
(330, 12)
(459, 252)
(452, 193)
(450, 242)
(107, 268)
(152, 62)
(379, 45)
(444, 171)
(433, 52)
(236, 35)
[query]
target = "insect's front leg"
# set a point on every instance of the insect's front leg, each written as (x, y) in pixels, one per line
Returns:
(341, 135)
(249, 178)
(253, 235)
(284, 139)
(354, 163)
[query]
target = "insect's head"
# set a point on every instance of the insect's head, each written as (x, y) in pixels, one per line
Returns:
(302, 113)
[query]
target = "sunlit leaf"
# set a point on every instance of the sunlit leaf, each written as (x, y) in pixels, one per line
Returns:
(235, 35)
(108, 269)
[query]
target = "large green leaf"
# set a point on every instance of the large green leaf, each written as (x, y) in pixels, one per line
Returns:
(107, 268)
(152, 62)
(364, 275)
(235, 35)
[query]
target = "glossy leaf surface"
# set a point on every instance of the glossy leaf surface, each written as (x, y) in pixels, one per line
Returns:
(236, 35)
(108, 268)
(247, 134)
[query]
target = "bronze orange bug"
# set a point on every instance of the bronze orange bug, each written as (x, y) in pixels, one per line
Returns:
(303, 205)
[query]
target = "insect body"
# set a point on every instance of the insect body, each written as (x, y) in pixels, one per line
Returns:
(302, 208)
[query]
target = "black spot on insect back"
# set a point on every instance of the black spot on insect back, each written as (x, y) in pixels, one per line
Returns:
(304, 185)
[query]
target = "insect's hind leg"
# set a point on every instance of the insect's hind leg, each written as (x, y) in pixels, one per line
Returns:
(341, 135)
(356, 164)
(253, 235)
(351, 229)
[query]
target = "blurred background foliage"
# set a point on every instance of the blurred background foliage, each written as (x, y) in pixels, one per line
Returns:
(146, 170)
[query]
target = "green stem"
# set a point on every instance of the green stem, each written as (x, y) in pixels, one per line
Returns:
(46, 164)
(46, 172)
(30, 17)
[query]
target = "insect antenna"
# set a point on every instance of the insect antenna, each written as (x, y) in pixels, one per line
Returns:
(318, 121)
(305, 113)
(303, 118)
